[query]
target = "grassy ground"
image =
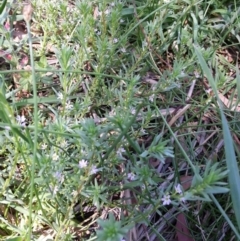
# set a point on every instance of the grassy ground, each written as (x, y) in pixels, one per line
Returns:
(119, 120)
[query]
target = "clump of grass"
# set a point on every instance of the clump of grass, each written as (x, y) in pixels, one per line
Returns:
(111, 130)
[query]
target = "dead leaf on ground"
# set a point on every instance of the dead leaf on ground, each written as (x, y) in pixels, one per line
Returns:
(182, 231)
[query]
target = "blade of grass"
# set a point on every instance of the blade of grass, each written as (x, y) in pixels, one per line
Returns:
(3, 6)
(176, 140)
(27, 12)
(233, 176)
(238, 83)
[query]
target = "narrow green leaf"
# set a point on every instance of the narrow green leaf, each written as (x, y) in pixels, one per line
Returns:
(238, 82)
(19, 133)
(3, 6)
(207, 72)
(233, 175)
(14, 239)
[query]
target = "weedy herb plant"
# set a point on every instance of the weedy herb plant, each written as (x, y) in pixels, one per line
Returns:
(119, 120)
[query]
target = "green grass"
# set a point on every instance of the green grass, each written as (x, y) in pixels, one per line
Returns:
(107, 109)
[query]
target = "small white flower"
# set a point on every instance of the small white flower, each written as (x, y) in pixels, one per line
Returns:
(99, 13)
(63, 144)
(182, 199)
(21, 120)
(107, 11)
(143, 132)
(74, 193)
(208, 91)
(182, 74)
(55, 157)
(43, 146)
(123, 50)
(82, 164)
(121, 21)
(112, 113)
(166, 199)
(54, 190)
(133, 111)
(115, 40)
(151, 97)
(93, 170)
(58, 175)
(120, 151)
(68, 105)
(144, 43)
(98, 32)
(60, 96)
(131, 176)
(178, 189)
(112, 4)
(197, 75)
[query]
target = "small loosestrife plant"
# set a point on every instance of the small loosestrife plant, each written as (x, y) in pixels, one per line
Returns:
(107, 130)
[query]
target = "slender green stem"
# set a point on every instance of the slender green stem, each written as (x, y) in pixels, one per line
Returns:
(178, 143)
(34, 84)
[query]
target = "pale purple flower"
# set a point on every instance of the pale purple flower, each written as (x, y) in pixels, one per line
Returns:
(115, 40)
(83, 164)
(178, 189)
(58, 175)
(120, 151)
(166, 199)
(133, 111)
(107, 11)
(21, 120)
(131, 176)
(94, 170)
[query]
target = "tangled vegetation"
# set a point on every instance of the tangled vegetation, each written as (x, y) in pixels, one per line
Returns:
(119, 120)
